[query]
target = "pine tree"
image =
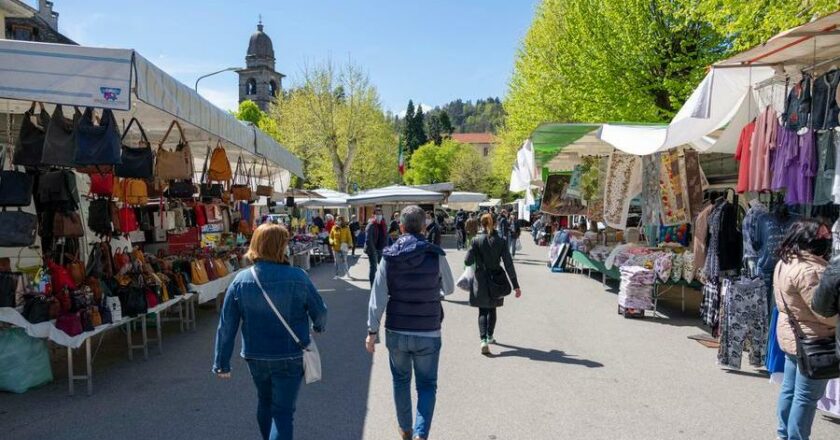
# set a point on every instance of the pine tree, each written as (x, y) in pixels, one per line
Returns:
(445, 125)
(420, 127)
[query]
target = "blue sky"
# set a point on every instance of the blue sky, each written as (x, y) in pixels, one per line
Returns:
(432, 51)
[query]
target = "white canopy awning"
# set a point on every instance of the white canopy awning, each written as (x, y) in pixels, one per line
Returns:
(129, 84)
(722, 95)
(395, 194)
(468, 201)
(490, 203)
(331, 199)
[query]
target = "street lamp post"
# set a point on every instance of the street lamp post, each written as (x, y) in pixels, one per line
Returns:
(229, 69)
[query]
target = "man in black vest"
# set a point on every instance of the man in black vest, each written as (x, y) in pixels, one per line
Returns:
(409, 282)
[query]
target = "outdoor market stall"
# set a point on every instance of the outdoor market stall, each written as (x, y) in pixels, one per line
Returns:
(468, 201)
(103, 228)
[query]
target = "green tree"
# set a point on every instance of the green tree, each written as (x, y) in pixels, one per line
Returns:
(419, 126)
(470, 171)
(445, 125)
(249, 111)
(333, 121)
(408, 132)
(431, 163)
(434, 129)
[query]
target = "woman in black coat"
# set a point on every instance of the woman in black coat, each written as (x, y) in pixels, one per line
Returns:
(487, 252)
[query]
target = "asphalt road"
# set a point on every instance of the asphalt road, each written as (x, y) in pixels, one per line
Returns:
(566, 367)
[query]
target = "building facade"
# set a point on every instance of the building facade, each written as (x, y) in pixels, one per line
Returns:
(484, 143)
(259, 81)
(24, 23)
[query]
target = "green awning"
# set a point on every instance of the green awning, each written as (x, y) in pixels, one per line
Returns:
(550, 138)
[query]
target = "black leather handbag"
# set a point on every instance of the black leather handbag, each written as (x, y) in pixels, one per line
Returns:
(60, 145)
(36, 308)
(99, 217)
(58, 187)
(137, 163)
(208, 191)
(97, 144)
(15, 188)
(18, 228)
(180, 189)
(30, 142)
(817, 357)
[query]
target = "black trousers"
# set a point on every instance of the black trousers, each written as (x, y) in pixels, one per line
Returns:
(486, 322)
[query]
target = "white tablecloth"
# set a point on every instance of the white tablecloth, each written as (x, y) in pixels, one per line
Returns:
(209, 291)
(47, 330)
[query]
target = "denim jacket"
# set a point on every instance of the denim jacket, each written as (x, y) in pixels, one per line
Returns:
(263, 335)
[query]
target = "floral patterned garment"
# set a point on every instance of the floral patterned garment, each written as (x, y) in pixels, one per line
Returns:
(595, 207)
(672, 187)
(651, 200)
(624, 181)
(573, 190)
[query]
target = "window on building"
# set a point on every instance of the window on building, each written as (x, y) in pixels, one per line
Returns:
(272, 88)
(22, 33)
(486, 151)
(251, 87)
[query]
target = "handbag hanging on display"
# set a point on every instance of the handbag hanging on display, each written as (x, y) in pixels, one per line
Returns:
(30, 141)
(76, 269)
(97, 146)
(174, 165)
(99, 217)
(133, 192)
(207, 190)
(58, 187)
(241, 191)
(60, 144)
(200, 212)
(68, 225)
(265, 173)
(219, 169)
(180, 189)
(128, 220)
(102, 184)
(15, 185)
(137, 163)
(18, 228)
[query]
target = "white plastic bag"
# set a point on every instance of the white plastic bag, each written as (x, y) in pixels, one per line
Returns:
(518, 245)
(466, 279)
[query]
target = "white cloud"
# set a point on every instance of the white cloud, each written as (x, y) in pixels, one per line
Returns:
(224, 99)
(426, 109)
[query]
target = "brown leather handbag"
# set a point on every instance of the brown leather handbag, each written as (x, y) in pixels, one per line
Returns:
(221, 269)
(241, 188)
(76, 269)
(198, 274)
(67, 224)
(174, 165)
(265, 173)
(219, 168)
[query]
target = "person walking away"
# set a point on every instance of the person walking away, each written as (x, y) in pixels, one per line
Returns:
(515, 232)
(354, 232)
(536, 228)
(487, 252)
(503, 226)
(341, 241)
(375, 241)
(795, 280)
(274, 359)
(432, 230)
(394, 228)
(408, 287)
(460, 223)
(471, 228)
(330, 223)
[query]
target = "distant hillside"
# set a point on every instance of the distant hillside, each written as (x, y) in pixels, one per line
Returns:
(485, 115)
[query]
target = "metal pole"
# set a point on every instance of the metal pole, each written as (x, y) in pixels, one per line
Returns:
(229, 69)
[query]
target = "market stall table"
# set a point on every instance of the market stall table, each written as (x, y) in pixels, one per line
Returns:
(48, 330)
(214, 289)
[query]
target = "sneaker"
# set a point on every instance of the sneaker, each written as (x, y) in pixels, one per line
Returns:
(485, 349)
(491, 340)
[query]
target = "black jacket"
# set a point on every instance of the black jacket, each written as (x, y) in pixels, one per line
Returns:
(488, 252)
(433, 234)
(826, 300)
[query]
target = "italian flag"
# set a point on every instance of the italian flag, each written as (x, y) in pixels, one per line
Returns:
(400, 159)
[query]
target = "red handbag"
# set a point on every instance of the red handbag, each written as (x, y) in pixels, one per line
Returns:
(102, 184)
(60, 277)
(200, 214)
(70, 323)
(128, 220)
(62, 298)
(151, 299)
(211, 271)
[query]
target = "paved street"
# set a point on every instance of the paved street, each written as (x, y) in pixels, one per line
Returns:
(566, 367)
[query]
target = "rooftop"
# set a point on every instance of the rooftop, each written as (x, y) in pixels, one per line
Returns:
(474, 138)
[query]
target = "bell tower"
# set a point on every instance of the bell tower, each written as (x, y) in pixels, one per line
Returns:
(258, 81)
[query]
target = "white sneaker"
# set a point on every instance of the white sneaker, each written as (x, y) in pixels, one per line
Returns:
(485, 349)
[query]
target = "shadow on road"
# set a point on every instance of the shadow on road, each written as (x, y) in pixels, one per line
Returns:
(555, 356)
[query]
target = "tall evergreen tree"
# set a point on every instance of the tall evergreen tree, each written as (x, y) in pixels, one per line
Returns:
(420, 126)
(445, 125)
(434, 129)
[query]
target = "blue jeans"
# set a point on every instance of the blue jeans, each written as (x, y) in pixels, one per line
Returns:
(798, 402)
(278, 383)
(423, 353)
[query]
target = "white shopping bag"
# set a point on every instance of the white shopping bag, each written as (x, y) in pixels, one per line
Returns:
(466, 279)
(518, 245)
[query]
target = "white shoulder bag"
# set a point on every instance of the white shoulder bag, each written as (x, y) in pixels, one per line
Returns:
(311, 357)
